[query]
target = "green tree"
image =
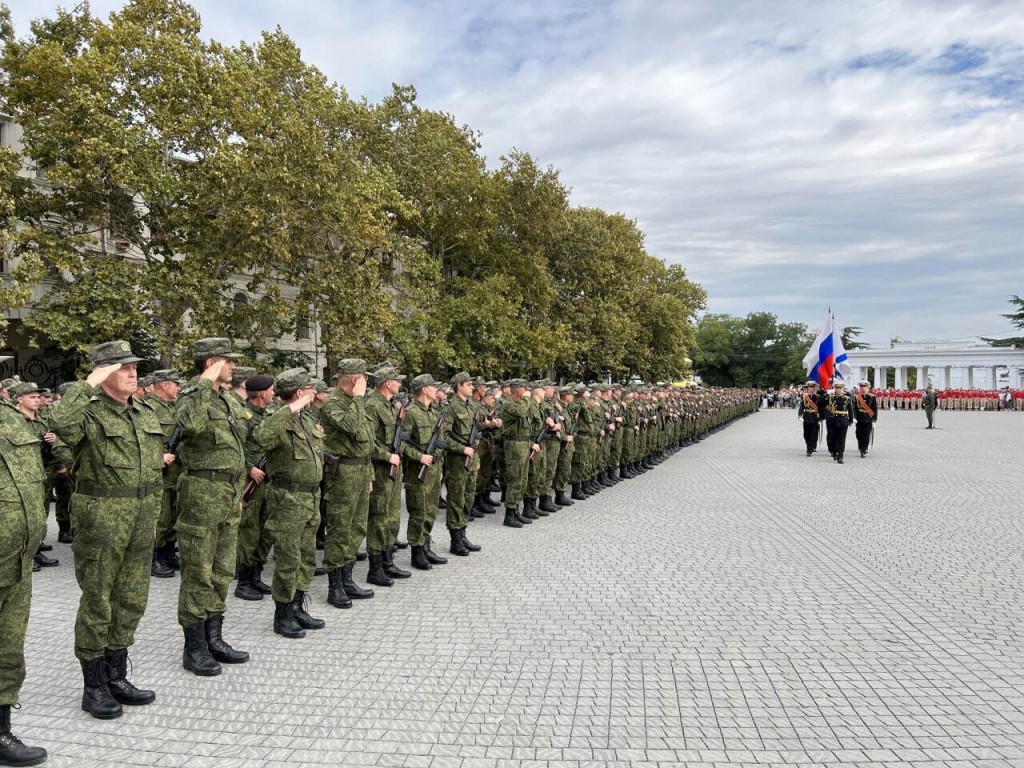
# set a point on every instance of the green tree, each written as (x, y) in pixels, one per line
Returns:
(1017, 318)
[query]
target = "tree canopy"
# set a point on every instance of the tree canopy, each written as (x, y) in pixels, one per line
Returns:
(752, 351)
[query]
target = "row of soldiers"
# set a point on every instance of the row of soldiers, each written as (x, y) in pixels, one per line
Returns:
(838, 409)
(211, 474)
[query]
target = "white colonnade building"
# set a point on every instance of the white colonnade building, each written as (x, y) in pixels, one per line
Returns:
(944, 364)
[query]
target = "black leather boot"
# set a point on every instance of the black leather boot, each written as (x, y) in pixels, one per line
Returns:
(285, 623)
(43, 561)
(336, 592)
(432, 556)
(486, 504)
(511, 520)
(376, 574)
(391, 569)
(467, 543)
(547, 505)
(419, 558)
(257, 580)
(246, 589)
(196, 657)
(64, 535)
(562, 500)
(219, 649)
(159, 568)
(442, 503)
(302, 616)
(521, 517)
(12, 750)
(577, 492)
(457, 547)
(530, 509)
(352, 589)
(118, 683)
(171, 555)
(361, 556)
(475, 513)
(96, 697)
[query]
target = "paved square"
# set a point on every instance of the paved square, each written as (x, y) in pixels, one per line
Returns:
(741, 604)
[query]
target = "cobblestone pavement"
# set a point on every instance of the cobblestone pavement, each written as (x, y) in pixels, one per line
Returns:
(738, 605)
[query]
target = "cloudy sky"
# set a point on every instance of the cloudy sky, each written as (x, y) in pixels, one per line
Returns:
(791, 155)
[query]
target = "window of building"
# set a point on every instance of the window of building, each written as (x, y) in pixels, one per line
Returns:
(302, 328)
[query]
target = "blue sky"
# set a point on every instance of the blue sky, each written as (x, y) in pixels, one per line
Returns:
(791, 155)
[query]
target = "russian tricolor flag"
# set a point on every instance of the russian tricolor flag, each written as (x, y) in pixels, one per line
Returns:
(826, 358)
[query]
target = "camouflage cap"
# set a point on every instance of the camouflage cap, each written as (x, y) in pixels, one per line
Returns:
(167, 374)
(8, 383)
(24, 388)
(110, 352)
(144, 382)
(387, 373)
(259, 383)
(46, 392)
(421, 381)
(492, 384)
(352, 366)
(460, 378)
(293, 379)
(214, 347)
(478, 382)
(321, 385)
(518, 383)
(566, 390)
(63, 388)
(241, 373)
(579, 389)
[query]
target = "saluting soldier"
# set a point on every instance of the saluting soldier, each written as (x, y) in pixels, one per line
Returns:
(292, 442)
(212, 451)
(461, 463)
(22, 525)
(866, 411)
(421, 496)
(118, 447)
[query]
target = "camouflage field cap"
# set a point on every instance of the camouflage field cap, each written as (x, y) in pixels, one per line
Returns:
(491, 384)
(321, 385)
(293, 379)
(352, 366)
(165, 374)
(387, 373)
(110, 352)
(144, 382)
(421, 381)
(215, 347)
(63, 388)
(518, 383)
(259, 383)
(566, 390)
(478, 382)
(579, 389)
(23, 388)
(240, 374)
(460, 378)
(8, 383)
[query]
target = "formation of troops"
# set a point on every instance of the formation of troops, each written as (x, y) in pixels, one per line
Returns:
(838, 410)
(914, 400)
(206, 477)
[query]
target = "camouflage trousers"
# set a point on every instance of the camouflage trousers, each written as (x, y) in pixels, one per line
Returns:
(485, 451)
(421, 500)
(552, 451)
(168, 507)
(536, 471)
(15, 599)
(517, 468)
(113, 548)
(581, 459)
(564, 467)
(254, 541)
(459, 483)
(207, 528)
(63, 488)
(291, 525)
(385, 513)
(348, 505)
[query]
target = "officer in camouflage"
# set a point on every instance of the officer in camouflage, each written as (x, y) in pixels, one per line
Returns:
(212, 452)
(461, 463)
(517, 437)
(118, 447)
(22, 525)
(293, 445)
(421, 496)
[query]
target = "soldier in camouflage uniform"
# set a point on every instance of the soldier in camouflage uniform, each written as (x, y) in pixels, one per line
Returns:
(487, 449)
(567, 437)
(293, 445)
(349, 475)
(254, 542)
(537, 466)
(421, 496)
(517, 436)
(161, 395)
(22, 525)
(212, 452)
(461, 463)
(385, 514)
(118, 447)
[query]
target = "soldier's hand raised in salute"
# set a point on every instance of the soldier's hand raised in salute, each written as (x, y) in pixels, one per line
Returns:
(213, 372)
(359, 388)
(302, 401)
(102, 373)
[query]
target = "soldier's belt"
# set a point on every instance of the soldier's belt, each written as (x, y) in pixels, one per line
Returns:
(288, 485)
(350, 462)
(209, 474)
(86, 488)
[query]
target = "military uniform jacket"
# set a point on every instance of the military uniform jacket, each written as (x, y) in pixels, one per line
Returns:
(348, 429)
(383, 415)
(839, 408)
(293, 446)
(214, 427)
(461, 415)
(516, 420)
(164, 413)
(115, 445)
(930, 400)
(872, 405)
(811, 409)
(56, 456)
(420, 422)
(22, 515)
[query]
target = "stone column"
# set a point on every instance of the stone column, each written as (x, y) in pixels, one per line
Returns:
(995, 377)
(970, 377)
(922, 376)
(901, 377)
(880, 376)
(947, 376)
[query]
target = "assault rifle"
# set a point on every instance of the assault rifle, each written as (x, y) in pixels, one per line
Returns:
(541, 437)
(435, 439)
(250, 487)
(475, 433)
(400, 437)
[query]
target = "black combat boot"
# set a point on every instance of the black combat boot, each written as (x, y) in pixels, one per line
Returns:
(285, 623)
(562, 500)
(442, 503)
(171, 555)
(43, 561)
(159, 568)
(301, 615)
(457, 547)
(376, 574)
(839, 457)
(219, 649)
(530, 509)
(521, 517)
(547, 505)
(467, 543)
(64, 535)
(419, 558)
(475, 513)
(360, 556)
(577, 492)
(511, 519)
(96, 698)
(119, 685)
(432, 556)
(336, 592)
(246, 588)
(12, 751)
(352, 589)
(593, 487)
(391, 569)
(486, 504)
(196, 657)
(257, 580)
